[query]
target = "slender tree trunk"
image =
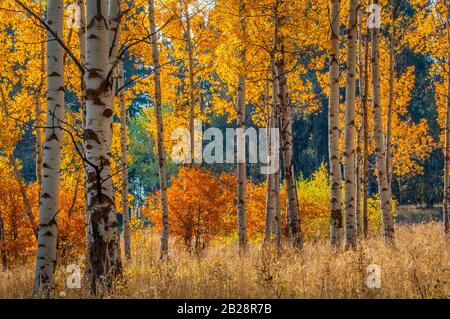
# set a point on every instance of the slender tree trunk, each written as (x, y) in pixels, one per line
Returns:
(333, 130)
(160, 134)
(383, 185)
(82, 96)
(113, 40)
(349, 143)
(17, 176)
(445, 218)
(48, 198)
(275, 120)
(24, 195)
(3, 245)
(286, 138)
(241, 159)
(391, 95)
(365, 128)
(359, 131)
(38, 120)
(124, 153)
(270, 199)
(191, 79)
(358, 183)
(104, 246)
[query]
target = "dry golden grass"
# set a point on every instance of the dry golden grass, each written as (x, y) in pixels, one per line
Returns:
(418, 267)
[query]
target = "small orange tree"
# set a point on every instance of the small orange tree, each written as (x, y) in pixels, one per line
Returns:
(198, 206)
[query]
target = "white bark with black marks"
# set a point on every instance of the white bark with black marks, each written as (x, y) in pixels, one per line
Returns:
(383, 184)
(104, 248)
(48, 197)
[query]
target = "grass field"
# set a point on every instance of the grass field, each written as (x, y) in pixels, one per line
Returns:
(418, 267)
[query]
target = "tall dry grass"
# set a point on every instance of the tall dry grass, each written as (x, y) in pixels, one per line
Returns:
(418, 267)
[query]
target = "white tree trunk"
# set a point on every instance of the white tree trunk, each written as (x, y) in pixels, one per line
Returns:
(383, 185)
(349, 131)
(48, 198)
(160, 134)
(334, 131)
(104, 254)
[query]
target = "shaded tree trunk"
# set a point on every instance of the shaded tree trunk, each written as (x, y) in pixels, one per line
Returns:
(24, 195)
(190, 53)
(445, 218)
(38, 120)
(160, 134)
(383, 185)
(241, 158)
(358, 183)
(104, 244)
(349, 142)
(391, 95)
(3, 245)
(365, 129)
(333, 130)
(270, 199)
(82, 44)
(286, 138)
(17, 176)
(48, 197)
(124, 153)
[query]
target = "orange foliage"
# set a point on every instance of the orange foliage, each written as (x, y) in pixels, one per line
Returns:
(19, 238)
(202, 207)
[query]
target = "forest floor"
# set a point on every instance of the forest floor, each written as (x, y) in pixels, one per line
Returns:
(418, 267)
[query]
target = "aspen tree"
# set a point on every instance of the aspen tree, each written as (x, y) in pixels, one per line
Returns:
(286, 138)
(241, 149)
(38, 120)
(104, 246)
(285, 109)
(48, 197)
(333, 130)
(365, 129)
(275, 120)
(349, 147)
(447, 153)
(160, 133)
(383, 185)
(190, 52)
(124, 162)
(391, 91)
(445, 218)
